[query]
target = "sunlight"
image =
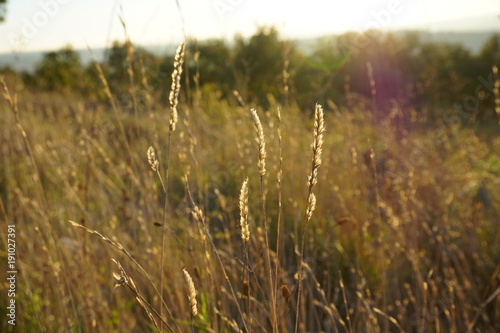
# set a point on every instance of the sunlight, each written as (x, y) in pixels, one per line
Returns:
(53, 23)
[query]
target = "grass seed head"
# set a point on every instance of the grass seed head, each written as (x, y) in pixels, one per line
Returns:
(317, 146)
(176, 85)
(245, 230)
(153, 161)
(191, 293)
(261, 143)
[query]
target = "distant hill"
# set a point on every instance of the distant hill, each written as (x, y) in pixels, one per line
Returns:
(26, 62)
(472, 41)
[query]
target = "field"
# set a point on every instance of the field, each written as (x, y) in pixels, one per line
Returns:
(325, 218)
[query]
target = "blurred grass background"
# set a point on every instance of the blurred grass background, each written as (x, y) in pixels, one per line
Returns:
(405, 235)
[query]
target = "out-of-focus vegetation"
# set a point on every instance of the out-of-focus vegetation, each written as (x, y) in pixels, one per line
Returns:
(3, 9)
(407, 71)
(404, 237)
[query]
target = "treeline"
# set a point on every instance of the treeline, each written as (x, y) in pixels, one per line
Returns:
(391, 70)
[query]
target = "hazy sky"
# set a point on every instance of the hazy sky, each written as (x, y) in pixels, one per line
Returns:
(48, 24)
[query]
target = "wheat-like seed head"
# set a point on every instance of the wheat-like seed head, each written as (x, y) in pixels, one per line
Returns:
(261, 143)
(198, 214)
(319, 129)
(176, 85)
(191, 293)
(311, 206)
(153, 161)
(245, 230)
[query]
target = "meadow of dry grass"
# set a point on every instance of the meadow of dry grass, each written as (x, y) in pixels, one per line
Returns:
(400, 232)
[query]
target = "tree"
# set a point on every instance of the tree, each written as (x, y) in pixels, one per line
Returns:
(121, 58)
(3, 10)
(60, 70)
(490, 53)
(261, 62)
(315, 77)
(446, 72)
(215, 65)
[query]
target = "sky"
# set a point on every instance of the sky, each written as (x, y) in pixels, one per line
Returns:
(35, 25)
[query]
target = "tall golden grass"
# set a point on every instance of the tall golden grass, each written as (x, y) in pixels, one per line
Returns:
(404, 237)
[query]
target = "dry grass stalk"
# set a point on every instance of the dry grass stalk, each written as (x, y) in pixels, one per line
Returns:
(319, 129)
(346, 304)
(329, 308)
(122, 249)
(496, 92)
(280, 210)
(199, 216)
(129, 51)
(480, 309)
(176, 85)
(112, 100)
(231, 322)
(191, 293)
(123, 279)
(261, 163)
(173, 100)
(390, 318)
(11, 99)
(261, 143)
(245, 230)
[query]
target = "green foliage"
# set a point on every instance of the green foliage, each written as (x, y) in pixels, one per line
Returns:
(441, 64)
(60, 71)
(260, 61)
(406, 71)
(490, 53)
(3, 10)
(214, 65)
(125, 67)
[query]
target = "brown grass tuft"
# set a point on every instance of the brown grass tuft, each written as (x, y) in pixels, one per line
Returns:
(317, 148)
